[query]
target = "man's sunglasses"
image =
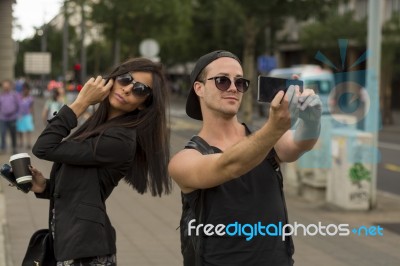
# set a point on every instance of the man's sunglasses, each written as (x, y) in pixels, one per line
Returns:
(138, 89)
(223, 83)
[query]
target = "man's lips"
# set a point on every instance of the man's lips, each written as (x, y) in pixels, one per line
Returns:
(230, 98)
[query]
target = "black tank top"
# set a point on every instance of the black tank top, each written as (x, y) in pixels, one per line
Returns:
(250, 199)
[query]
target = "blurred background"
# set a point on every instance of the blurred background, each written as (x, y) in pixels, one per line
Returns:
(86, 38)
(346, 50)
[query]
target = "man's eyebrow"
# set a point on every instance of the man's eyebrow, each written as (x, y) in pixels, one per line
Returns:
(227, 74)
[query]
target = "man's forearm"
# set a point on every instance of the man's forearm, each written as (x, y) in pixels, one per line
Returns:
(248, 153)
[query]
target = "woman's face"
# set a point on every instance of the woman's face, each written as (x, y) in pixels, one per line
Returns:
(122, 98)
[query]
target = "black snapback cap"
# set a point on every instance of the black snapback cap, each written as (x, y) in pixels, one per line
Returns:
(193, 109)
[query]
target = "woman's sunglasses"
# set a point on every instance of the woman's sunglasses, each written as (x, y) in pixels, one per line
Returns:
(223, 83)
(138, 89)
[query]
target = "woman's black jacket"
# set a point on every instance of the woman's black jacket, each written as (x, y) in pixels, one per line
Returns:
(82, 177)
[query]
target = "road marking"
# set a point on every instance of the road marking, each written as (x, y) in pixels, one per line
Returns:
(389, 146)
(392, 167)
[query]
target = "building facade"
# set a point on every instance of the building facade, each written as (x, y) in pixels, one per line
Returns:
(7, 49)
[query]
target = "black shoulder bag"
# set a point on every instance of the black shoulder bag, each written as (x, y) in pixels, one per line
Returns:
(40, 250)
(191, 246)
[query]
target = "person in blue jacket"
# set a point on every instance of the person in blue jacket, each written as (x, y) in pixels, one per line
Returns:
(126, 138)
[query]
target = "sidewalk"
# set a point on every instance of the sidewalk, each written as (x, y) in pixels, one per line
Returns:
(146, 226)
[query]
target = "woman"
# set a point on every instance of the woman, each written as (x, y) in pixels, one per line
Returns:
(126, 137)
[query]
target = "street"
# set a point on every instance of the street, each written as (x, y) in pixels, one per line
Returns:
(389, 168)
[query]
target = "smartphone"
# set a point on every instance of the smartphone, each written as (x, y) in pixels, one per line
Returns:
(268, 87)
(5, 171)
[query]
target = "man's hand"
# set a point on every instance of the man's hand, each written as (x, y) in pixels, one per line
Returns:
(310, 107)
(284, 110)
(310, 116)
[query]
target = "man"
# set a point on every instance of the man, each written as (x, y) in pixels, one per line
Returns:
(239, 180)
(9, 111)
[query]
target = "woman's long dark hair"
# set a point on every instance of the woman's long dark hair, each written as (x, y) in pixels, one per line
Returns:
(149, 167)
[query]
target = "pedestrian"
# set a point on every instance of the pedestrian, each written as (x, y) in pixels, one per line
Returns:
(126, 138)
(52, 105)
(25, 122)
(9, 111)
(239, 179)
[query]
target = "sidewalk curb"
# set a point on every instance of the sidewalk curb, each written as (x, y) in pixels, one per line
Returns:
(389, 195)
(5, 248)
(3, 222)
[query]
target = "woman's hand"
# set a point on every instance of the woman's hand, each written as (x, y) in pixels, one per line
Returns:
(94, 91)
(38, 180)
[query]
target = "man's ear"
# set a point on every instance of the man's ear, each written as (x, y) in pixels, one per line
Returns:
(198, 88)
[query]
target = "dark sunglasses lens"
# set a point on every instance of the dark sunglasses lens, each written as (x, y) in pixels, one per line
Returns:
(124, 80)
(242, 84)
(222, 83)
(140, 89)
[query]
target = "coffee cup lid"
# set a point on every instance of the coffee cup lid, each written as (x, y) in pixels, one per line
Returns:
(19, 156)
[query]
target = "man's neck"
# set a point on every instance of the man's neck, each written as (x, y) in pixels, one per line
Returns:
(222, 132)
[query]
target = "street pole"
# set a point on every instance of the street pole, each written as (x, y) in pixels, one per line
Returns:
(83, 48)
(372, 122)
(65, 42)
(43, 48)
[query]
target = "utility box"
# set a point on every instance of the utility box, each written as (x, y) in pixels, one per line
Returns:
(349, 185)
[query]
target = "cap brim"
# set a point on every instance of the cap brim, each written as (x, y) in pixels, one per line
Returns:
(193, 109)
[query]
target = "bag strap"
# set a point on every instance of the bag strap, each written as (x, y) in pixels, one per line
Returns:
(204, 148)
(200, 145)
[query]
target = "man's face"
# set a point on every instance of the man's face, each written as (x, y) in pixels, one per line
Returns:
(6, 86)
(215, 101)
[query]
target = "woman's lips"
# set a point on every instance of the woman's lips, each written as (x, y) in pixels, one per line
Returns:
(119, 98)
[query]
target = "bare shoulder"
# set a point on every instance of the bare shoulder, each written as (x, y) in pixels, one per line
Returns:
(183, 158)
(192, 170)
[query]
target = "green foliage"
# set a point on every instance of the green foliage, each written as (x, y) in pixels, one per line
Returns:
(132, 21)
(391, 41)
(53, 39)
(185, 29)
(358, 173)
(325, 33)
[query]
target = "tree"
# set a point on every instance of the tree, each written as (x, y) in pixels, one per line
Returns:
(389, 66)
(247, 21)
(54, 42)
(324, 35)
(126, 23)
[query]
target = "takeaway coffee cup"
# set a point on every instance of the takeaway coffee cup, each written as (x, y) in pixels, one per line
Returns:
(20, 166)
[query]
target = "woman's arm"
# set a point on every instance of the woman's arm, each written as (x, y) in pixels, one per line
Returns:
(114, 146)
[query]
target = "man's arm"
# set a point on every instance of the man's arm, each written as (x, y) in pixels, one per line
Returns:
(192, 171)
